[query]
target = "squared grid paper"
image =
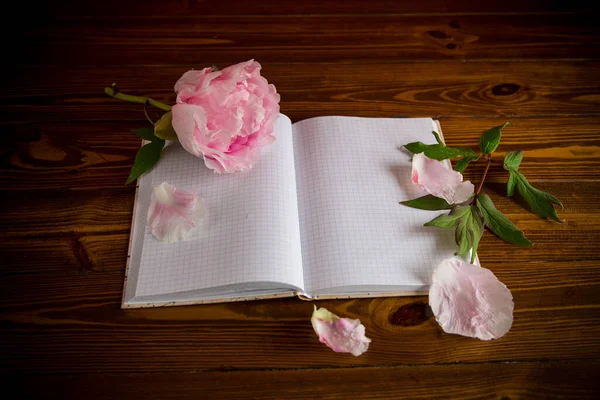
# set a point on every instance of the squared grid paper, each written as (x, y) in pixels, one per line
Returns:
(351, 176)
(251, 233)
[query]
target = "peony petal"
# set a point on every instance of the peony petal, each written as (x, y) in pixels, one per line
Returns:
(173, 213)
(435, 178)
(342, 335)
(189, 122)
(469, 300)
(194, 83)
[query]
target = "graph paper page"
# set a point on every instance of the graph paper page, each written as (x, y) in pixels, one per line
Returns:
(351, 176)
(251, 233)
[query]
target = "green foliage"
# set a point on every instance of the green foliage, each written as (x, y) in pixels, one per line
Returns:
(489, 141)
(499, 224)
(163, 128)
(468, 221)
(428, 202)
(540, 202)
(468, 225)
(145, 159)
(441, 152)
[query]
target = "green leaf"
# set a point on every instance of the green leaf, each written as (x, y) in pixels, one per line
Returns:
(469, 229)
(145, 133)
(540, 202)
(511, 185)
(477, 228)
(145, 159)
(491, 139)
(439, 151)
(463, 237)
(462, 164)
(415, 147)
(429, 202)
(448, 220)
(437, 137)
(499, 224)
(163, 128)
(512, 160)
(443, 221)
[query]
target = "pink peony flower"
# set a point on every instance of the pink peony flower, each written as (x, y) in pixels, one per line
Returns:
(469, 300)
(173, 213)
(225, 116)
(440, 181)
(342, 335)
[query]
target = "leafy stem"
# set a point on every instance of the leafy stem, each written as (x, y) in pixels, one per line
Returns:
(113, 91)
(487, 168)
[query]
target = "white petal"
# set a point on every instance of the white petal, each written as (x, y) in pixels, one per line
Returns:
(173, 213)
(469, 300)
(435, 178)
(342, 335)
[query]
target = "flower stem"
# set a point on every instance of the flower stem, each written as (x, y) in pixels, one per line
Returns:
(114, 92)
(487, 167)
(146, 113)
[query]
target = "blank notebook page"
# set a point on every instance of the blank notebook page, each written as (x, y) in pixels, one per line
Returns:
(251, 232)
(351, 176)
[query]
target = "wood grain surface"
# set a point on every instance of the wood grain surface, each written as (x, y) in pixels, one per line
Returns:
(66, 150)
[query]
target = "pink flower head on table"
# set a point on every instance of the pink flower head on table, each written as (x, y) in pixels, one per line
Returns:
(342, 335)
(440, 181)
(469, 300)
(226, 116)
(173, 213)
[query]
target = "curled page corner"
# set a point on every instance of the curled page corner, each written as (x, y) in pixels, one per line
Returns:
(305, 296)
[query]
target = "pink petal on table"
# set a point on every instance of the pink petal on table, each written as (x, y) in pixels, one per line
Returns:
(469, 300)
(342, 335)
(173, 213)
(440, 181)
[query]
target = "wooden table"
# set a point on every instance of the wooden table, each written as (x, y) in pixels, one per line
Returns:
(66, 213)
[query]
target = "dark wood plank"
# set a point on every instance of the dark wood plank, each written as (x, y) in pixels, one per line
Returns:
(531, 380)
(226, 40)
(272, 7)
(77, 155)
(69, 253)
(100, 154)
(308, 90)
(69, 213)
(76, 318)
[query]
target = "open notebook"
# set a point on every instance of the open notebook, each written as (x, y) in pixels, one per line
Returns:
(318, 216)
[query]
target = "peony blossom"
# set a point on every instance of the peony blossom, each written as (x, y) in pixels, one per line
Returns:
(342, 335)
(440, 181)
(173, 213)
(469, 300)
(225, 116)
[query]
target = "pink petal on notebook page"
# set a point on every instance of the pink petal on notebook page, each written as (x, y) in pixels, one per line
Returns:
(342, 335)
(173, 213)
